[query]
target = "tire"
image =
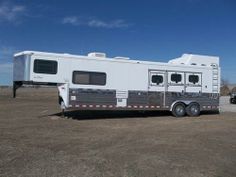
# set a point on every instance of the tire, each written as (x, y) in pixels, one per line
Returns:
(233, 101)
(178, 110)
(193, 110)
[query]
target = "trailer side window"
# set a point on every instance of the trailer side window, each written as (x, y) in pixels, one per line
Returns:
(176, 78)
(89, 78)
(193, 79)
(157, 79)
(45, 66)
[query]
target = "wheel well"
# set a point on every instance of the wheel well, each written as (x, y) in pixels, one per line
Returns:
(175, 102)
(194, 102)
(185, 102)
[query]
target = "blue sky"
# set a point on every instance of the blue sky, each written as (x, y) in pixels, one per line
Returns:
(156, 30)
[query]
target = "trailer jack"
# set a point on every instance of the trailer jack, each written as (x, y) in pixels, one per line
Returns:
(16, 85)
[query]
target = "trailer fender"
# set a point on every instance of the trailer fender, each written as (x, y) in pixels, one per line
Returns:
(186, 102)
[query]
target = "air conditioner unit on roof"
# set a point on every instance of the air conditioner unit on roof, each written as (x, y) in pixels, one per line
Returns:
(97, 54)
(122, 58)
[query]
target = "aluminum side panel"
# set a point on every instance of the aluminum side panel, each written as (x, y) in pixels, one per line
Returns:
(139, 99)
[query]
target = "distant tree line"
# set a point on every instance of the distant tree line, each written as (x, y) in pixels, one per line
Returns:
(224, 89)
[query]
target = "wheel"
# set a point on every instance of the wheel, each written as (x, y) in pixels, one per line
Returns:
(193, 110)
(179, 110)
(233, 101)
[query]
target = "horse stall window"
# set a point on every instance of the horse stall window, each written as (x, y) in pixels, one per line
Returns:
(193, 79)
(89, 78)
(176, 78)
(45, 66)
(157, 79)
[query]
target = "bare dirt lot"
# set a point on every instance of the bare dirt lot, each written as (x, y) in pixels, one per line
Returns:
(35, 141)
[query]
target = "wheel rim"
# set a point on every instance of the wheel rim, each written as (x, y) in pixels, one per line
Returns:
(179, 110)
(194, 109)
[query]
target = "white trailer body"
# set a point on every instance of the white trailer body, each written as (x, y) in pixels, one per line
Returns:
(95, 82)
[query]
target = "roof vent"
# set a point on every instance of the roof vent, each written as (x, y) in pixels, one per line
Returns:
(97, 54)
(122, 58)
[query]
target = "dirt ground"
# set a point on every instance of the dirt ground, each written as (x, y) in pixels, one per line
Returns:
(35, 141)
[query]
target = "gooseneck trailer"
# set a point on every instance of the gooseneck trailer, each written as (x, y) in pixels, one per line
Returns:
(185, 85)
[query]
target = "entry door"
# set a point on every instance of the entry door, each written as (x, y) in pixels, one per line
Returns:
(176, 81)
(157, 80)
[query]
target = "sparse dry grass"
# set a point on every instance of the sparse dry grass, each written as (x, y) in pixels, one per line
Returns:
(36, 142)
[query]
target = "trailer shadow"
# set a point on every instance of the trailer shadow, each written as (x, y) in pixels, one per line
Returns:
(91, 115)
(210, 112)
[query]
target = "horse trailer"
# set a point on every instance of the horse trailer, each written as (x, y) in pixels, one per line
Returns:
(185, 85)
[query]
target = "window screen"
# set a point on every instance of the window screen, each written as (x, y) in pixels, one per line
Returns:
(45, 66)
(193, 79)
(157, 79)
(89, 78)
(176, 78)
